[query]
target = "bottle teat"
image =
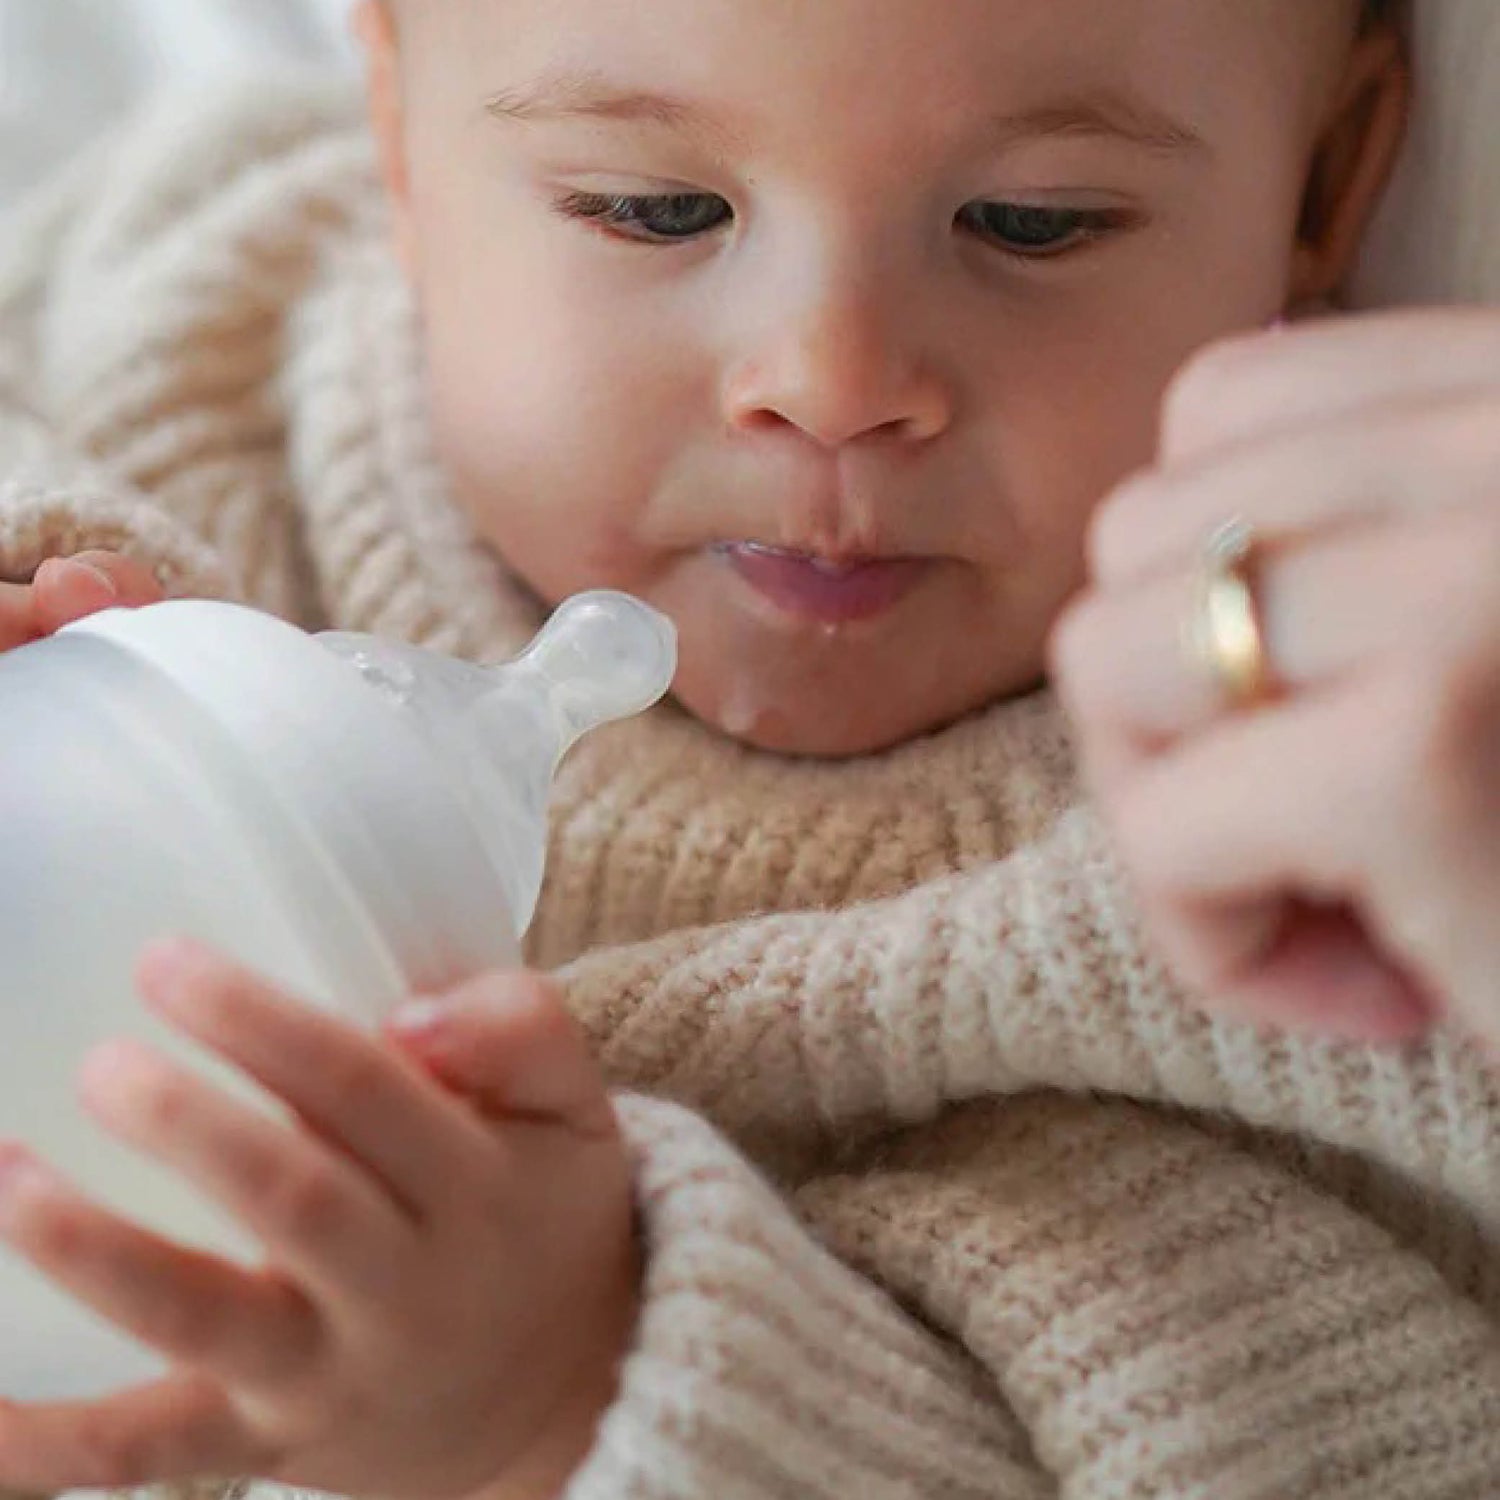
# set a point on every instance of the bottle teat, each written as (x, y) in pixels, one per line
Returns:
(601, 657)
(501, 730)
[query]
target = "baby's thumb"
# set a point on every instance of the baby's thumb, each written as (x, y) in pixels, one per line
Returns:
(508, 1044)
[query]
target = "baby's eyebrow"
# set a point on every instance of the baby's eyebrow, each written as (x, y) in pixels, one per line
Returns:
(1103, 113)
(589, 96)
(1100, 112)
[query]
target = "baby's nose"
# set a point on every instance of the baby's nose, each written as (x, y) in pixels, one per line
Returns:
(838, 372)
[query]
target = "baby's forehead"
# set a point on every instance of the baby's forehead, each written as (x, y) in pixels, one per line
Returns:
(1000, 22)
(847, 60)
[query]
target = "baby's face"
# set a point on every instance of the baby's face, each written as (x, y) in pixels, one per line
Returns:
(824, 324)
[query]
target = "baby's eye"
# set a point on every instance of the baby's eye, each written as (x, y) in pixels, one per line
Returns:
(659, 218)
(1029, 229)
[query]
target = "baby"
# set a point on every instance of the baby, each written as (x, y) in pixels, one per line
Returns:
(870, 1154)
(825, 333)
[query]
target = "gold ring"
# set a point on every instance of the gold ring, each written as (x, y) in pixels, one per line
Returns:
(1225, 635)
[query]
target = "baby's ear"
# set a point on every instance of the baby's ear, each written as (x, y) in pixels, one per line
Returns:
(374, 25)
(1353, 162)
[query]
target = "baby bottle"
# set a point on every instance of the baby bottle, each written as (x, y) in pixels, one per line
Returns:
(354, 819)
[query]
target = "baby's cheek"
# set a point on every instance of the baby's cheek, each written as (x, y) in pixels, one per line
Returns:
(559, 527)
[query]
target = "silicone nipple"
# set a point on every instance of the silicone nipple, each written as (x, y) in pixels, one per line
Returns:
(501, 730)
(601, 657)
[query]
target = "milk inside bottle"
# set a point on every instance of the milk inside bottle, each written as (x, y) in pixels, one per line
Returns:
(355, 819)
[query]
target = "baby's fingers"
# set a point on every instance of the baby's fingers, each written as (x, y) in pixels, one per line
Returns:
(508, 1043)
(175, 1429)
(318, 1215)
(193, 1308)
(67, 589)
(17, 618)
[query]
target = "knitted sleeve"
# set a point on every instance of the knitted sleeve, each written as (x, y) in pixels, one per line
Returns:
(763, 1368)
(1153, 1293)
(799, 1033)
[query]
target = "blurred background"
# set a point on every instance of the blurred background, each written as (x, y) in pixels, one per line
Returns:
(69, 68)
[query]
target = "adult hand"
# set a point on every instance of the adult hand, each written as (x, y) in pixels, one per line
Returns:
(1329, 857)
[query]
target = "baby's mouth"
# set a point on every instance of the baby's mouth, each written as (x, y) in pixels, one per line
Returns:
(824, 590)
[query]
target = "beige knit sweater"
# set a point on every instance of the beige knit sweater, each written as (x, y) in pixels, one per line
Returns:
(1020, 1223)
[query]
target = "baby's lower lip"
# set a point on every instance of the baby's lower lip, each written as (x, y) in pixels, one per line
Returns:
(821, 592)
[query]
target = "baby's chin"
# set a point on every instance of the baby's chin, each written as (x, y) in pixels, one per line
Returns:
(821, 719)
(794, 730)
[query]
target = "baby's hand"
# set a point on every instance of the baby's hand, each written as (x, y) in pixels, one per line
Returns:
(451, 1274)
(67, 589)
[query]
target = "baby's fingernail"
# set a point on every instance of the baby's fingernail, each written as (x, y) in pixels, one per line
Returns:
(98, 575)
(510, 990)
(165, 963)
(419, 1017)
(13, 1163)
(18, 1170)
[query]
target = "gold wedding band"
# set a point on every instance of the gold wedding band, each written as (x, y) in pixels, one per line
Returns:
(1226, 638)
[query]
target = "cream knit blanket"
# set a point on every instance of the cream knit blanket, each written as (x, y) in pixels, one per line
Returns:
(1020, 1223)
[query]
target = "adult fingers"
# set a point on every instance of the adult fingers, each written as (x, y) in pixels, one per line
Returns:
(1377, 798)
(1396, 460)
(1324, 970)
(1252, 386)
(1298, 964)
(1330, 607)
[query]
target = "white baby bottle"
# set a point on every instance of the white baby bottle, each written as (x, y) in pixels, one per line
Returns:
(355, 819)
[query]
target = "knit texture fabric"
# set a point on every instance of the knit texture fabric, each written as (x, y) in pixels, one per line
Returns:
(945, 1190)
